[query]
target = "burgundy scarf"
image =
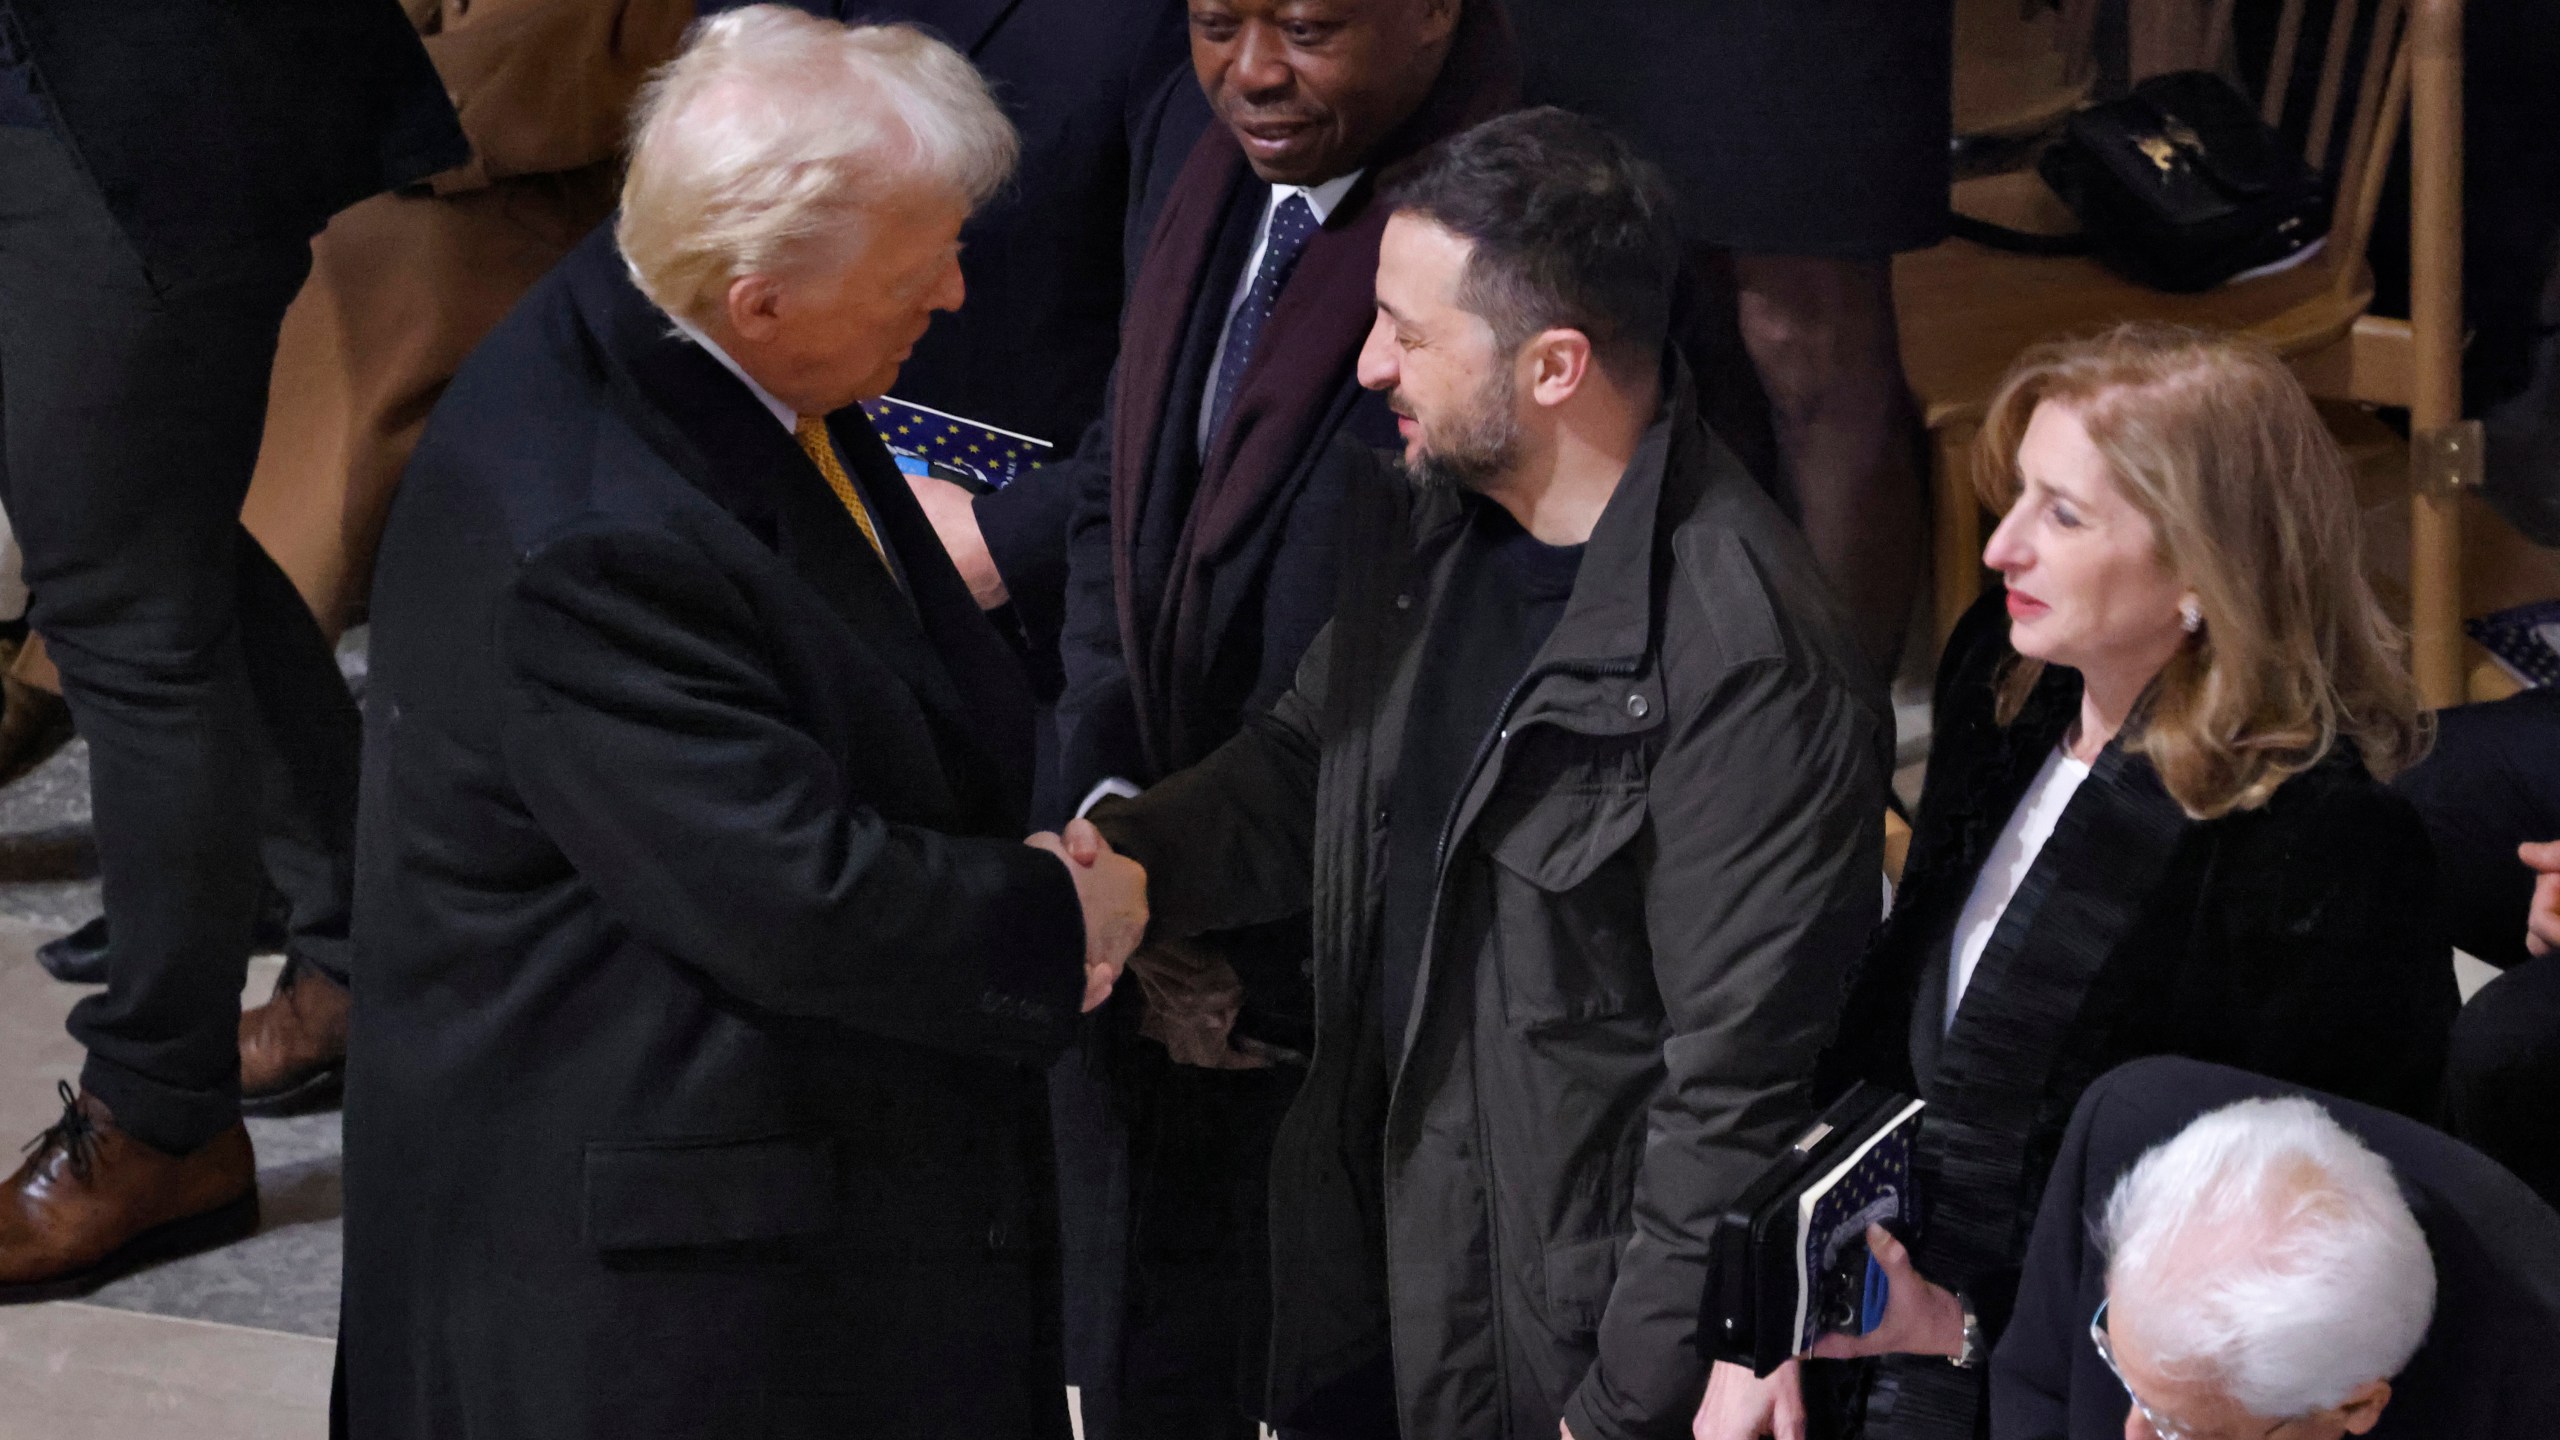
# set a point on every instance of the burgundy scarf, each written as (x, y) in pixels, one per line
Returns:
(1311, 341)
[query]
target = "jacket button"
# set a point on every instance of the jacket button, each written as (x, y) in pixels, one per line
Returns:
(1636, 706)
(1404, 602)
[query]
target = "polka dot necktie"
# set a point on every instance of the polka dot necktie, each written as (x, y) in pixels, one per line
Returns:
(812, 433)
(1293, 223)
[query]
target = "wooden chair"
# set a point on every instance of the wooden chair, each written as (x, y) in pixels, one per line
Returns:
(1967, 312)
(2019, 69)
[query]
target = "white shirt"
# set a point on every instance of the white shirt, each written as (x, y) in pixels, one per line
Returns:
(789, 417)
(1321, 199)
(2021, 840)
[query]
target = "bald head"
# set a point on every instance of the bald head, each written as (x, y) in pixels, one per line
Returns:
(1310, 88)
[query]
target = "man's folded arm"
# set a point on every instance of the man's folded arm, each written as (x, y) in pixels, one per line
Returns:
(655, 750)
(1230, 841)
(1767, 840)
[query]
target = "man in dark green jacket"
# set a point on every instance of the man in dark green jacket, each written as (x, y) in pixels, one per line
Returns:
(1585, 784)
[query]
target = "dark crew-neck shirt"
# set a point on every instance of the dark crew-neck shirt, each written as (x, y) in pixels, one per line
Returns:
(1505, 593)
(18, 102)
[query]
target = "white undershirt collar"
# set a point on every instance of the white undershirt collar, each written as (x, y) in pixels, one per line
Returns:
(789, 417)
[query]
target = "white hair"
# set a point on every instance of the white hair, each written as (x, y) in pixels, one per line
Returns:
(2272, 1254)
(758, 149)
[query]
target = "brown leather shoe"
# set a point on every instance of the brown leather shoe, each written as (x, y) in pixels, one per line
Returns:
(92, 1203)
(293, 1049)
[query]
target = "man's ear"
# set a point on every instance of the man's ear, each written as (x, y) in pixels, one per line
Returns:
(754, 306)
(1559, 364)
(2363, 1408)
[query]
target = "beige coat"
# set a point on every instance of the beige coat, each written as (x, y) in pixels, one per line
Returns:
(404, 285)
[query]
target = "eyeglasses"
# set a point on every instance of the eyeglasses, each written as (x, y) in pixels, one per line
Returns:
(2159, 1427)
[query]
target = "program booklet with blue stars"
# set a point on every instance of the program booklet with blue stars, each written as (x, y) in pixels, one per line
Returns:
(1788, 1260)
(2524, 641)
(926, 441)
(1838, 1289)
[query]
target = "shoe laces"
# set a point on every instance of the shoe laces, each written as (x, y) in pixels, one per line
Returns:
(75, 1134)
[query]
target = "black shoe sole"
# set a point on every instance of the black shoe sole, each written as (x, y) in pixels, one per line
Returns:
(192, 1235)
(320, 1090)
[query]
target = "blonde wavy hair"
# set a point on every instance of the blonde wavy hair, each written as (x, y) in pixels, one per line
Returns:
(763, 146)
(2254, 507)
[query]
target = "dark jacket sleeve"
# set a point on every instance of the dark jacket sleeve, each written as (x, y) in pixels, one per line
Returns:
(1097, 710)
(1026, 525)
(660, 756)
(1230, 841)
(1875, 1024)
(1767, 826)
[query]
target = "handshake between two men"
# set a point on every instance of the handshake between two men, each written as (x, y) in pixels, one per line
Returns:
(1113, 891)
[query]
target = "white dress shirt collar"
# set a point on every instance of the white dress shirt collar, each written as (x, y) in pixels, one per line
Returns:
(1322, 199)
(789, 417)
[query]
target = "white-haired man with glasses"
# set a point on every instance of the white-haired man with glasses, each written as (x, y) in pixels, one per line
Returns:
(2222, 1257)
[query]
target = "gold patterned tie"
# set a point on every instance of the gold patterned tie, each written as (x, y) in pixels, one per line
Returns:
(812, 433)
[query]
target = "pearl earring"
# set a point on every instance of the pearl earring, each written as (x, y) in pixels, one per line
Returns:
(2191, 615)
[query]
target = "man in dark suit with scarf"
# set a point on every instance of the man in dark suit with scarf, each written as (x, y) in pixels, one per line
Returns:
(162, 170)
(1201, 566)
(697, 1084)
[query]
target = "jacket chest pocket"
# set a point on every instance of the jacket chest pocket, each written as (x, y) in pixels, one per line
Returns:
(1568, 888)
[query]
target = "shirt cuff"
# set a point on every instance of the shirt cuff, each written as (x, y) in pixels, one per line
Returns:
(1110, 789)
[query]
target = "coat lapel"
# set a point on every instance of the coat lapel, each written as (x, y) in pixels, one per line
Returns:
(968, 677)
(2084, 894)
(714, 432)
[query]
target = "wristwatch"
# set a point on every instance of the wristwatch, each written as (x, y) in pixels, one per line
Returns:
(1971, 1355)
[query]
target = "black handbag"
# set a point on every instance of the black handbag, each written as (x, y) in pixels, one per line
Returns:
(1788, 1260)
(2178, 186)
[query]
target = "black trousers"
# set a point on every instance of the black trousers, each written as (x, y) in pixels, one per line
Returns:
(130, 412)
(1163, 1181)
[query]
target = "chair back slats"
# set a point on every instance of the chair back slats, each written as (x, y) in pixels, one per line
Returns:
(2217, 35)
(2349, 234)
(2280, 68)
(2379, 50)
(2333, 75)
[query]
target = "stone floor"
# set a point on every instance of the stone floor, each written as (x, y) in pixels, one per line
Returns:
(234, 1343)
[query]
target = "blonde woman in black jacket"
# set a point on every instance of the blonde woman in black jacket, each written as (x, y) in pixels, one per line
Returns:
(2153, 823)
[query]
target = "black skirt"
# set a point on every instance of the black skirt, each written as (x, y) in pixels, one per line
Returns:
(1790, 127)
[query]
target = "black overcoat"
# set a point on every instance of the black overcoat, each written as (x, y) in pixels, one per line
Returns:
(2485, 1371)
(2298, 939)
(702, 974)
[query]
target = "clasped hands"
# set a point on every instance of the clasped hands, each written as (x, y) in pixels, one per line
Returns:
(1112, 888)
